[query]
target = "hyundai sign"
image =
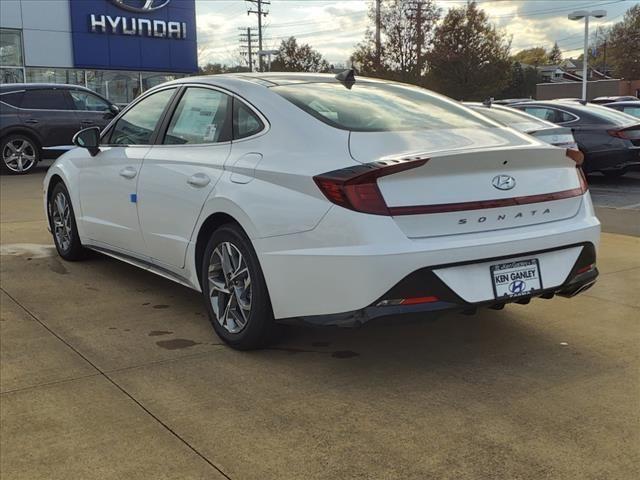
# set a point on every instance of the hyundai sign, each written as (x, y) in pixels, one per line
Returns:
(155, 35)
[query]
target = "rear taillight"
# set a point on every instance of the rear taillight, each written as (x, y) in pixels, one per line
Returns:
(356, 188)
(575, 155)
(584, 186)
(625, 134)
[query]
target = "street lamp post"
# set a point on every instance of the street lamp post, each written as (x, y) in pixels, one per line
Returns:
(579, 15)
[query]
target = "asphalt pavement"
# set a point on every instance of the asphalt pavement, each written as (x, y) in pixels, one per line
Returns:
(110, 372)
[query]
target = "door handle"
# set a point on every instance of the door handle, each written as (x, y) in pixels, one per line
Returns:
(32, 121)
(128, 172)
(198, 180)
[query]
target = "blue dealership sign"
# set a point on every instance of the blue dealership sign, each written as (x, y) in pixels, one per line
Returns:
(154, 35)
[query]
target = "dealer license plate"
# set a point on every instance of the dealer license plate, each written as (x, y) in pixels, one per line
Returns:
(514, 279)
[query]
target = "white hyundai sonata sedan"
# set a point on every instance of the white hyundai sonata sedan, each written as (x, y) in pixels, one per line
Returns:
(331, 199)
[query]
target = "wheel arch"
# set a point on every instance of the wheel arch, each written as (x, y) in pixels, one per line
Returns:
(51, 185)
(20, 130)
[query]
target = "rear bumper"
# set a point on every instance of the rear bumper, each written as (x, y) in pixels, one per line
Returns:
(350, 260)
(425, 281)
(612, 160)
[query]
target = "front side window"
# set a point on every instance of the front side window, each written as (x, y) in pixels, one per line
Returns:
(87, 101)
(137, 125)
(374, 107)
(245, 121)
(201, 117)
(52, 99)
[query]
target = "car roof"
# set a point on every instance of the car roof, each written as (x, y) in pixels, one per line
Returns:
(12, 87)
(626, 103)
(271, 79)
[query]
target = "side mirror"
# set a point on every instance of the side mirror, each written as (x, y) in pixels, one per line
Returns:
(88, 138)
(115, 109)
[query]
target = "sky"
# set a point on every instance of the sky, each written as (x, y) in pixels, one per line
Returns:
(335, 27)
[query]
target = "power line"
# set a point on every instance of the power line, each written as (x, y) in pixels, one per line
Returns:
(260, 13)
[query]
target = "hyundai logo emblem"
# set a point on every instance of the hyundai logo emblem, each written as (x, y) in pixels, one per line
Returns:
(503, 182)
(517, 286)
(141, 6)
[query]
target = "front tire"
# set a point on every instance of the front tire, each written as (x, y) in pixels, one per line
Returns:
(63, 225)
(19, 154)
(234, 290)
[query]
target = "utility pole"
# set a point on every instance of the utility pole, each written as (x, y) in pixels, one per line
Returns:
(260, 13)
(378, 42)
(604, 58)
(246, 42)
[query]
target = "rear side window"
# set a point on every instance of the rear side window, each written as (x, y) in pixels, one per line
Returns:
(564, 117)
(45, 100)
(201, 117)
(137, 125)
(375, 107)
(87, 101)
(245, 121)
(547, 114)
(14, 98)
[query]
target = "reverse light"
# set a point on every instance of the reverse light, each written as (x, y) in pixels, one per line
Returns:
(575, 155)
(408, 301)
(356, 188)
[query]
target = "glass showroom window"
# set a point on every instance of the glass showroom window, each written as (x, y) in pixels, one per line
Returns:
(152, 79)
(55, 75)
(120, 87)
(11, 60)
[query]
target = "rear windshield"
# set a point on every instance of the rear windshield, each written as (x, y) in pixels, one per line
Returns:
(376, 107)
(605, 114)
(515, 119)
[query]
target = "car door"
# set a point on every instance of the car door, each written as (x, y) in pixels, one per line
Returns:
(92, 110)
(50, 112)
(180, 171)
(108, 182)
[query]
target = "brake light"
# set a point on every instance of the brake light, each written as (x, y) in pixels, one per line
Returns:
(356, 188)
(633, 134)
(575, 155)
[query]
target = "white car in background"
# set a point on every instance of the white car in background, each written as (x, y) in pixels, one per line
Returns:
(332, 199)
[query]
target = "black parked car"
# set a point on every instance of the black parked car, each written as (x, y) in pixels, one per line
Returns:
(39, 120)
(610, 140)
(630, 108)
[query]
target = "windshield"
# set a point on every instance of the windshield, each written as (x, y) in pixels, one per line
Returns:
(513, 118)
(375, 107)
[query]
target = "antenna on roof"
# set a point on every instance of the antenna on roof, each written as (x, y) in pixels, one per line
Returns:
(488, 102)
(347, 78)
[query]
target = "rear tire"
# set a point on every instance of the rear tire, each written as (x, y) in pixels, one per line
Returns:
(235, 292)
(19, 154)
(63, 225)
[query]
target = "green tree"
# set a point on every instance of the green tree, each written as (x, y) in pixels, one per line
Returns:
(407, 35)
(470, 59)
(532, 56)
(555, 55)
(622, 46)
(294, 57)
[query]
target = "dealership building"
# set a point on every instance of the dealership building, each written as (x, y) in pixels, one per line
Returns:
(118, 48)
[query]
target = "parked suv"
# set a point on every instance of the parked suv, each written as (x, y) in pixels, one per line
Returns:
(39, 120)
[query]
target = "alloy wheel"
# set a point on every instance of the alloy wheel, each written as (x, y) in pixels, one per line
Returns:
(61, 219)
(229, 287)
(19, 155)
